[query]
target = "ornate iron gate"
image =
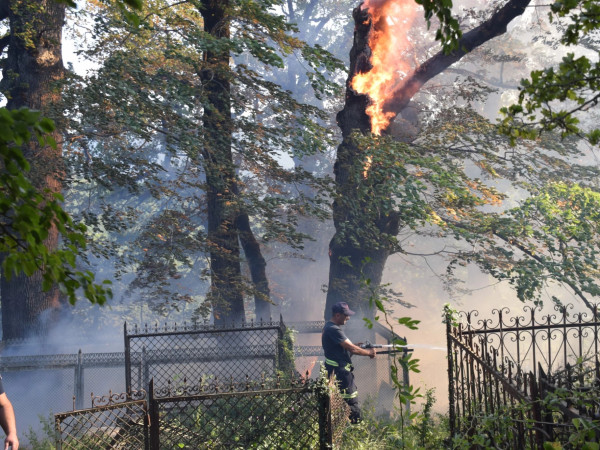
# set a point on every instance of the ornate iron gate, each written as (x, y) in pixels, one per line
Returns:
(506, 368)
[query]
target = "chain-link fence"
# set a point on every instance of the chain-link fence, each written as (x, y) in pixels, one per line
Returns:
(271, 413)
(267, 414)
(174, 353)
(39, 385)
(115, 421)
(66, 380)
(336, 412)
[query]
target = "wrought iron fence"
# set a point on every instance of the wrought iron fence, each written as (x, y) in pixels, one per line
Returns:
(530, 339)
(506, 368)
(171, 353)
(281, 412)
(116, 421)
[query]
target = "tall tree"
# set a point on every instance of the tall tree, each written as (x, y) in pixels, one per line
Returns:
(384, 186)
(32, 69)
(225, 293)
(193, 75)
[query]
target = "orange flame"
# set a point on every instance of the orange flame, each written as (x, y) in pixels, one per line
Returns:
(310, 367)
(389, 42)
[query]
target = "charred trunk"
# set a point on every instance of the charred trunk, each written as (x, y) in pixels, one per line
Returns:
(354, 259)
(30, 76)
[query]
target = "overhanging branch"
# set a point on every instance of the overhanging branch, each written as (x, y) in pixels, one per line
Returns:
(531, 255)
(491, 28)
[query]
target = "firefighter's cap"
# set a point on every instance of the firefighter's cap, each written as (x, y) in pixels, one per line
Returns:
(342, 307)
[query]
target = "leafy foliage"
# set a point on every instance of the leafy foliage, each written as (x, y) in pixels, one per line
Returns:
(554, 97)
(26, 215)
(139, 127)
(546, 237)
(448, 32)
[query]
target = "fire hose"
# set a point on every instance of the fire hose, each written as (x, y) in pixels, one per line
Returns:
(394, 348)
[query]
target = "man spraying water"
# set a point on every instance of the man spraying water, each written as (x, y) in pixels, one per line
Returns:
(338, 350)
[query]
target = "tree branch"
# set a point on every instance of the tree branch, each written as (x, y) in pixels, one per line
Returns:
(494, 83)
(494, 26)
(525, 250)
(291, 12)
(257, 266)
(308, 12)
(531, 255)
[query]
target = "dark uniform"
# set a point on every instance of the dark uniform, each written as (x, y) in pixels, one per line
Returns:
(338, 362)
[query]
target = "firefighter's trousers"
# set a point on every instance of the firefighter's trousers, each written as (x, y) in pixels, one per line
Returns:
(345, 381)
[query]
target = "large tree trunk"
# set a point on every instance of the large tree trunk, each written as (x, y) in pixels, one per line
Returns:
(351, 263)
(226, 290)
(227, 225)
(257, 266)
(354, 260)
(29, 79)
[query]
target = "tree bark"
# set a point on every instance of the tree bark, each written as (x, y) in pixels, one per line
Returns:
(353, 261)
(226, 289)
(32, 69)
(258, 266)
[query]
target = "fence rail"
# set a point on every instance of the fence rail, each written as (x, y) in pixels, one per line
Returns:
(507, 367)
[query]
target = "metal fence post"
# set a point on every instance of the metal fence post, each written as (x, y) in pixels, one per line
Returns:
(58, 438)
(78, 384)
(279, 350)
(451, 414)
(325, 431)
(154, 425)
(547, 414)
(127, 359)
(406, 376)
(536, 410)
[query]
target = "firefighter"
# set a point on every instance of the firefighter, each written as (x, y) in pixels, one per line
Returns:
(338, 350)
